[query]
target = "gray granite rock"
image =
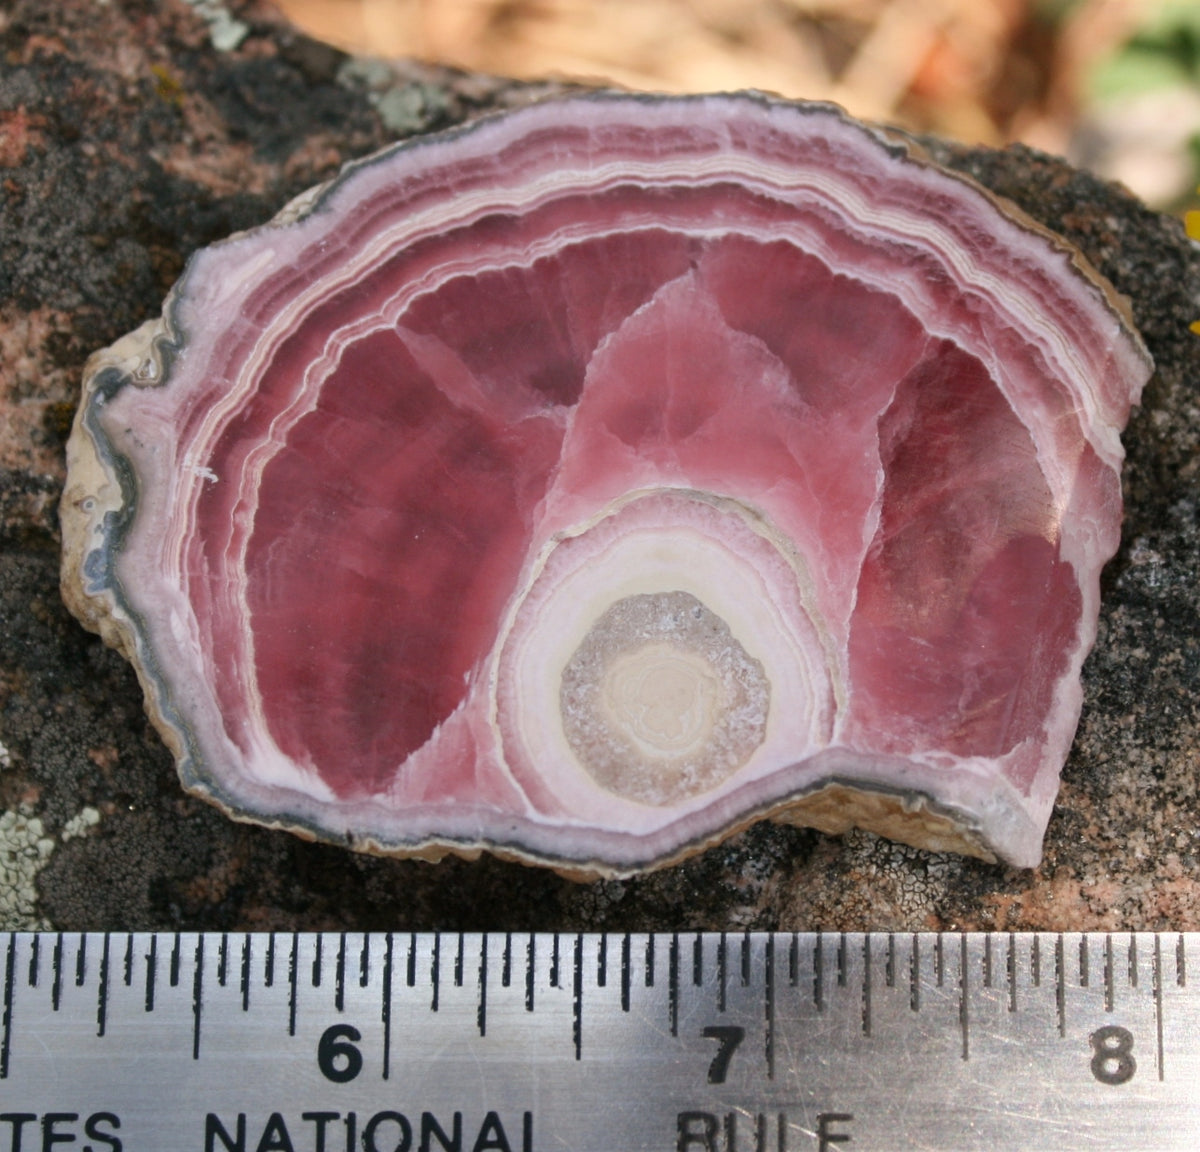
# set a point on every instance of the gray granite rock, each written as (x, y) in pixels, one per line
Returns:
(133, 132)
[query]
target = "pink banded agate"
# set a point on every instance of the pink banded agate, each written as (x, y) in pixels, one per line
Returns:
(586, 483)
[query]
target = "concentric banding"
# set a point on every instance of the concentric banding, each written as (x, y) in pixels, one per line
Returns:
(649, 647)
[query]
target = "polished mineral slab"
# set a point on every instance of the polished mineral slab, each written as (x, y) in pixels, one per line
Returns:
(589, 482)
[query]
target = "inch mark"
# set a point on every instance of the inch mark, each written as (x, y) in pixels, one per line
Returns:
(722, 972)
(339, 976)
(1109, 975)
(364, 961)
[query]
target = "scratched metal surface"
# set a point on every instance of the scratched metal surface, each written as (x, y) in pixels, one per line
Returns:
(763, 1042)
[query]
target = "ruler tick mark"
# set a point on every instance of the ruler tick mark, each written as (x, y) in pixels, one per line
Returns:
(197, 996)
(293, 980)
(1133, 967)
(481, 1013)
(1180, 967)
(1035, 961)
(1109, 975)
(769, 1005)
(554, 963)
(339, 976)
(56, 967)
(577, 998)
(10, 968)
(722, 975)
(127, 972)
(435, 969)
(530, 970)
(673, 983)
(602, 962)
(1060, 981)
(80, 961)
(914, 975)
(269, 970)
(364, 961)
(794, 960)
(34, 954)
(506, 968)
(698, 960)
(650, 962)
(315, 977)
(746, 960)
(174, 971)
(1011, 969)
(102, 992)
(963, 1018)
(819, 973)
(151, 972)
(1083, 961)
(865, 1023)
(458, 962)
(385, 1007)
(410, 976)
(245, 979)
(1158, 1002)
(626, 971)
(889, 969)
(223, 960)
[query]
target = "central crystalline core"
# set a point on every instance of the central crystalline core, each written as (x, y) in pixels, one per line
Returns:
(594, 479)
(660, 701)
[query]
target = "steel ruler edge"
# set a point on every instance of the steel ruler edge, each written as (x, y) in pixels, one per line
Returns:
(675, 1042)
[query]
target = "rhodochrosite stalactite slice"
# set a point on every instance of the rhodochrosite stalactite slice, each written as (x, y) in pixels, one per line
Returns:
(588, 482)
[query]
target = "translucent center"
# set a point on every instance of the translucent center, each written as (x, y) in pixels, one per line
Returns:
(660, 701)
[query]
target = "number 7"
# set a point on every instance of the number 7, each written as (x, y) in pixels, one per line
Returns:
(728, 1036)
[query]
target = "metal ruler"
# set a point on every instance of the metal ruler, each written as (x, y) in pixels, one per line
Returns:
(466, 1042)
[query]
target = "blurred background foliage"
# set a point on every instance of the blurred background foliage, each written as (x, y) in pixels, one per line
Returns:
(1112, 84)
